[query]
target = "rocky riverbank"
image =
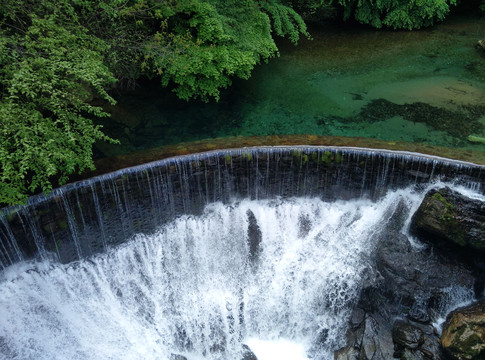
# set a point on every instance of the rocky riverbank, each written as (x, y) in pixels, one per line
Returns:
(396, 315)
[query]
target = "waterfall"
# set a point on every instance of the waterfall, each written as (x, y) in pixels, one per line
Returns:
(250, 271)
(202, 255)
(85, 218)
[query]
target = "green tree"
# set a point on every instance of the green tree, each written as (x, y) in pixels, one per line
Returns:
(194, 46)
(49, 71)
(397, 14)
(55, 57)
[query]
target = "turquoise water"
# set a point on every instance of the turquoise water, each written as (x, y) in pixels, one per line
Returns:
(424, 86)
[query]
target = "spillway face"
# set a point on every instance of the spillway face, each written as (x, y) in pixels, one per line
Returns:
(88, 217)
(201, 255)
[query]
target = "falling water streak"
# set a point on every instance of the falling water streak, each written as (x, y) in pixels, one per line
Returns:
(97, 207)
(193, 280)
(72, 227)
(10, 246)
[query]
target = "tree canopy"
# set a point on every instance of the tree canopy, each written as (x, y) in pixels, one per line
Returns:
(48, 73)
(55, 57)
(397, 14)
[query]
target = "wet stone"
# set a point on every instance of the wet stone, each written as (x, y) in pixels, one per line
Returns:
(347, 353)
(409, 354)
(431, 347)
(447, 216)
(463, 334)
(376, 343)
(358, 316)
(419, 313)
(407, 335)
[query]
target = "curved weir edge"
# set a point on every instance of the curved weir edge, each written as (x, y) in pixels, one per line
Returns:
(89, 216)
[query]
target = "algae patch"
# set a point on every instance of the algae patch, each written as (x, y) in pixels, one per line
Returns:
(476, 139)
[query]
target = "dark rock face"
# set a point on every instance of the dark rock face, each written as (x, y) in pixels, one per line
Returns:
(445, 215)
(406, 335)
(347, 353)
(254, 236)
(464, 332)
(415, 341)
(416, 278)
(408, 288)
(369, 339)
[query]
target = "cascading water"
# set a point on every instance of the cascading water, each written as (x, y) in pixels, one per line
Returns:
(201, 286)
(278, 272)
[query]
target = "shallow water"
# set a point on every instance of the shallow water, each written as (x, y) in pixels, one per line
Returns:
(422, 86)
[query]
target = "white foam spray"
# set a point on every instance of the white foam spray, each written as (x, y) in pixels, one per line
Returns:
(202, 286)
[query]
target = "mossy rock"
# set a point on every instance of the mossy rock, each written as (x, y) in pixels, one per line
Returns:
(248, 156)
(304, 159)
(228, 159)
(447, 216)
(463, 334)
(327, 157)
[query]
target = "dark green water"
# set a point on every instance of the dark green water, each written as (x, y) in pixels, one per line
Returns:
(423, 86)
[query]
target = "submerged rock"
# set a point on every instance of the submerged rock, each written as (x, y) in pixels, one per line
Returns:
(463, 334)
(476, 139)
(248, 353)
(177, 357)
(446, 215)
(481, 44)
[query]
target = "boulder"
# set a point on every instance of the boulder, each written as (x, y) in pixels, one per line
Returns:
(412, 284)
(412, 281)
(448, 216)
(463, 335)
(377, 341)
(370, 339)
(413, 341)
(407, 335)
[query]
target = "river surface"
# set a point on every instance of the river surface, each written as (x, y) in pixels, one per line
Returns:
(425, 86)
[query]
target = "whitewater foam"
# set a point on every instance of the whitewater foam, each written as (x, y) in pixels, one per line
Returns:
(204, 285)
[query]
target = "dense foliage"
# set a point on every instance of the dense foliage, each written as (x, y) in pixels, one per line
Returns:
(201, 44)
(48, 73)
(55, 57)
(397, 14)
